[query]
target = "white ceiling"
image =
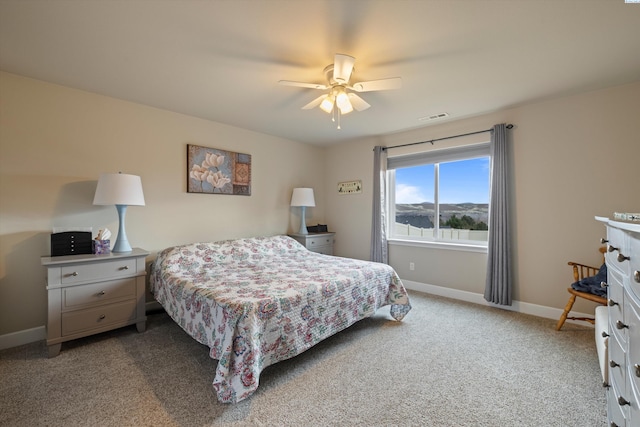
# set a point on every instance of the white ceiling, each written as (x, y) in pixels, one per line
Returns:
(221, 59)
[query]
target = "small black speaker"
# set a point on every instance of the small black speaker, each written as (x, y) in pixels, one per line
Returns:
(317, 228)
(71, 243)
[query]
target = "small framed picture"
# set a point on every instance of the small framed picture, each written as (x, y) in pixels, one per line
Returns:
(350, 187)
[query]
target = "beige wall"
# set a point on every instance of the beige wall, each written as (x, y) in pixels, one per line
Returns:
(572, 158)
(55, 141)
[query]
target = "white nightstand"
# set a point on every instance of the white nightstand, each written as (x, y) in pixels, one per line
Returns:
(88, 294)
(316, 242)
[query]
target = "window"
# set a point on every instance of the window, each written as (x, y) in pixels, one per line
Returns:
(440, 195)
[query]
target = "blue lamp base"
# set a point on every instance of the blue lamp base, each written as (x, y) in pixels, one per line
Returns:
(122, 244)
(303, 223)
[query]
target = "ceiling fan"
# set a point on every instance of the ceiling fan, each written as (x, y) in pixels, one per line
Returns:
(340, 99)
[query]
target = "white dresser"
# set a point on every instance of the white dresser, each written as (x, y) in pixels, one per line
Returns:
(88, 294)
(623, 280)
(316, 242)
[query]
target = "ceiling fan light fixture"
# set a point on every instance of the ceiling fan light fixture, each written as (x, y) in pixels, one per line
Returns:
(343, 103)
(341, 98)
(327, 104)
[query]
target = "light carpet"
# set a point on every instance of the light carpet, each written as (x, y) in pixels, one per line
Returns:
(449, 363)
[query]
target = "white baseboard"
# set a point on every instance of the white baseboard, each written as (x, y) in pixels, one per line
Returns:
(517, 306)
(39, 333)
(27, 336)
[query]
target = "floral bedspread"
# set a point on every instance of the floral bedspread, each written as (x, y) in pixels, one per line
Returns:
(258, 301)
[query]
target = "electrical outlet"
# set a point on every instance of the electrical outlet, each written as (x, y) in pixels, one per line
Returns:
(412, 266)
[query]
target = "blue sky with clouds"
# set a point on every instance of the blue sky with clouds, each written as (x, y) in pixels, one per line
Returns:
(464, 181)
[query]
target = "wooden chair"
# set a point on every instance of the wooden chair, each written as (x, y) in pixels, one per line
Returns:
(580, 271)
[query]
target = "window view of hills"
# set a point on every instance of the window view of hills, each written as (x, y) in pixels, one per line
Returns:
(470, 216)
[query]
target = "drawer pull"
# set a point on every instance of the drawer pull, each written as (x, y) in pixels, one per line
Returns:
(604, 334)
(101, 293)
(622, 258)
(622, 401)
(613, 364)
(636, 276)
(603, 284)
(126, 267)
(621, 325)
(102, 317)
(611, 303)
(612, 248)
(636, 368)
(603, 241)
(74, 274)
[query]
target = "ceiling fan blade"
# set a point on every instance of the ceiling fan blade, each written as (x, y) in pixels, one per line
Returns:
(302, 84)
(357, 102)
(342, 68)
(315, 102)
(383, 84)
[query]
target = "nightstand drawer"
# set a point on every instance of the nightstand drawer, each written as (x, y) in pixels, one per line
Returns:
(83, 273)
(316, 241)
(101, 293)
(83, 320)
(324, 250)
(321, 243)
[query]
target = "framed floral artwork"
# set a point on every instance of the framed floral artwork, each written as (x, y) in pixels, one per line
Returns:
(214, 171)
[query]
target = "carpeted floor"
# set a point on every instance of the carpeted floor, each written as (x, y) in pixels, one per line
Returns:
(449, 363)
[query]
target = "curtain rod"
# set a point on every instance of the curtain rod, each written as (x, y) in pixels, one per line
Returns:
(509, 126)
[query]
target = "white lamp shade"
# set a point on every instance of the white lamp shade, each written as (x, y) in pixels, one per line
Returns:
(303, 197)
(119, 189)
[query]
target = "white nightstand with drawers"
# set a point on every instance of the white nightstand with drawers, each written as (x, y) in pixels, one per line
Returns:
(88, 294)
(316, 242)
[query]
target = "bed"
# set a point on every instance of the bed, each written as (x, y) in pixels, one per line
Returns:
(258, 301)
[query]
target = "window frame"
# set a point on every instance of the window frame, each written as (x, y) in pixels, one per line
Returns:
(434, 157)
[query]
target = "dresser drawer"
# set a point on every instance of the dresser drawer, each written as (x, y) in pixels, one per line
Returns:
(632, 313)
(617, 414)
(634, 264)
(83, 273)
(617, 364)
(92, 318)
(616, 297)
(634, 403)
(620, 244)
(100, 293)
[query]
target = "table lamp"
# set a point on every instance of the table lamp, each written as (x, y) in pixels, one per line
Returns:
(303, 197)
(121, 190)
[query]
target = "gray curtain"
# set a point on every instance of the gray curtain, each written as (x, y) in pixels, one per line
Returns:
(378, 219)
(499, 275)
